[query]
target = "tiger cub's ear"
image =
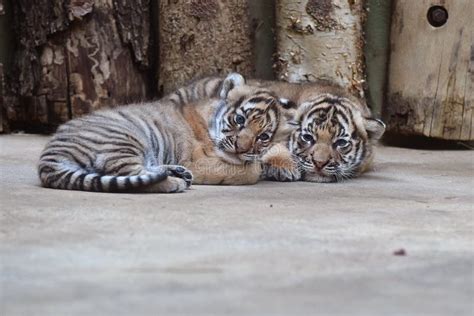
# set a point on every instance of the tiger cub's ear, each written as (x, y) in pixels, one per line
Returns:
(288, 111)
(374, 127)
(233, 80)
(287, 104)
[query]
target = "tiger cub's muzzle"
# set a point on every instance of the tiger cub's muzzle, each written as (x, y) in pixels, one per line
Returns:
(244, 143)
(321, 156)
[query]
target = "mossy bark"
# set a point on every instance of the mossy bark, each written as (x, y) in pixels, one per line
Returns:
(262, 13)
(377, 49)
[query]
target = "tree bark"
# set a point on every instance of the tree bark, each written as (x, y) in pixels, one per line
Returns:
(2, 103)
(321, 39)
(72, 58)
(431, 72)
(2, 12)
(203, 37)
(133, 21)
(6, 41)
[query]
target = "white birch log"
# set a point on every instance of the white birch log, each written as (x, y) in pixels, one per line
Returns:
(321, 39)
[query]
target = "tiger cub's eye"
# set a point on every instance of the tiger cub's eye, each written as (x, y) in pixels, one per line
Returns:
(341, 143)
(307, 138)
(239, 119)
(264, 136)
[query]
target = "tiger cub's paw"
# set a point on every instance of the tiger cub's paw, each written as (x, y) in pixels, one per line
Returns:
(169, 185)
(281, 174)
(279, 165)
(179, 179)
(181, 172)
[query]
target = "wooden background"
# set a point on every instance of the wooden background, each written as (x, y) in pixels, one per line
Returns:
(69, 57)
(63, 58)
(431, 72)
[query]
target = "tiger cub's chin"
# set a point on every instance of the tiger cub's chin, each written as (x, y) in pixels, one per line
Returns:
(314, 177)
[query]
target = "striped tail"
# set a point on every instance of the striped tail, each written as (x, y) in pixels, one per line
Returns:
(79, 179)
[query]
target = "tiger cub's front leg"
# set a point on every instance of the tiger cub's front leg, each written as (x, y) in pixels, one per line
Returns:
(280, 165)
(210, 169)
(217, 171)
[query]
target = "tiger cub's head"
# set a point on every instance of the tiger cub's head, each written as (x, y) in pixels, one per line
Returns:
(246, 121)
(333, 140)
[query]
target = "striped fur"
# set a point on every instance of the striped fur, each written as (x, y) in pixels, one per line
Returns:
(333, 141)
(328, 114)
(159, 146)
(208, 87)
(264, 113)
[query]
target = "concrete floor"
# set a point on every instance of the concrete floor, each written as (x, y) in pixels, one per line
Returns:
(268, 249)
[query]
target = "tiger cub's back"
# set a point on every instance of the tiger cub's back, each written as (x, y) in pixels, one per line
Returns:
(122, 149)
(204, 88)
(298, 93)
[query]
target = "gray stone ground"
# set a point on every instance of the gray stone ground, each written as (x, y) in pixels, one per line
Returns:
(268, 249)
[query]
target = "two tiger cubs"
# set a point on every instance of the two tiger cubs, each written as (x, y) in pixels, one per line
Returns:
(214, 131)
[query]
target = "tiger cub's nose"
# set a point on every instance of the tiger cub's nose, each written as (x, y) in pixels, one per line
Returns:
(243, 144)
(321, 155)
(242, 149)
(320, 164)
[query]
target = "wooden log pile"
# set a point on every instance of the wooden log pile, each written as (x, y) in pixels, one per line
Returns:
(74, 56)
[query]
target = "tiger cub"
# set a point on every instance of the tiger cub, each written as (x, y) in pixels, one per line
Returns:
(164, 146)
(334, 134)
(277, 162)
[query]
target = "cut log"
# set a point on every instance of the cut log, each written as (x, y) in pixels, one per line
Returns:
(37, 95)
(203, 37)
(321, 39)
(431, 72)
(101, 67)
(72, 59)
